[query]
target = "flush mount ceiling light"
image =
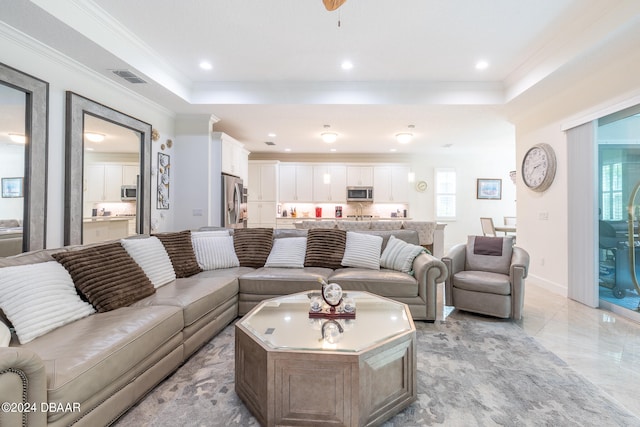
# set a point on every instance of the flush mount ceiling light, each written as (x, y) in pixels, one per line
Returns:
(205, 65)
(18, 138)
(346, 65)
(482, 65)
(405, 137)
(94, 137)
(329, 137)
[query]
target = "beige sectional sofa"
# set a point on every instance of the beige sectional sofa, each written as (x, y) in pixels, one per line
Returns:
(91, 370)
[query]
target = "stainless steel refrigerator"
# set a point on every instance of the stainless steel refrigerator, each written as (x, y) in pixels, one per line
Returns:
(234, 203)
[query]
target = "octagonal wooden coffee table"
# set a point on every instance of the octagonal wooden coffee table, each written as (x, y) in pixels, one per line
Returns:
(362, 374)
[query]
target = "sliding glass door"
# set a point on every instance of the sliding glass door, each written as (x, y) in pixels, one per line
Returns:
(618, 138)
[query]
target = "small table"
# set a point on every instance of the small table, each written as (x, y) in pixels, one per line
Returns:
(287, 374)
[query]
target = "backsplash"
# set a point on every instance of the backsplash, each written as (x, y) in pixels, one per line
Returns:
(380, 210)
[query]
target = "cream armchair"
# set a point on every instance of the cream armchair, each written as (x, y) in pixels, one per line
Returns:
(486, 275)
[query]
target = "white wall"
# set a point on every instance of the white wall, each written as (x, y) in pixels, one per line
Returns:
(545, 239)
(469, 166)
(62, 74)
(591, 87)
(199, 177)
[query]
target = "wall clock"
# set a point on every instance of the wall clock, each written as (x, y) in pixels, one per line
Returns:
(421, 186)
(539, 167)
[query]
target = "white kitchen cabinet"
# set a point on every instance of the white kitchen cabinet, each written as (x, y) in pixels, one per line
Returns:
(263, 181)
(295, 183)
(391, 184)
(333, 191)
(234, 156)
(103, 182)
(130, 174)
(261, 214)
(359, 176)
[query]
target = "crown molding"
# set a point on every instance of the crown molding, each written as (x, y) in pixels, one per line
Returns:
(46, 53)
(347, 93)
(91, 21)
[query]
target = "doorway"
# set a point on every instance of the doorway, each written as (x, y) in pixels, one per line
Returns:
(618, 140)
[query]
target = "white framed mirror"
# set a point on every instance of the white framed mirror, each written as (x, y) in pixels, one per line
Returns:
(24, 101)
(85, 115)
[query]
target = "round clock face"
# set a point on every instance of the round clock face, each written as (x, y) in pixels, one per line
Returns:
(421, 186)
(332, 294)
(539, 167)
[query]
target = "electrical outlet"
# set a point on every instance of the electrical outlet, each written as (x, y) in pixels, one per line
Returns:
(197, 212)
(543, 216)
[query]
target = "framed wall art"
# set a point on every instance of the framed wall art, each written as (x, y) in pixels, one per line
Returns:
(13, 187)
(489, 189)
(164, 180)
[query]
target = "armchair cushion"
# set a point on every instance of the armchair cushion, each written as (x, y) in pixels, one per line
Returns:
(482, 281)
(489, 254)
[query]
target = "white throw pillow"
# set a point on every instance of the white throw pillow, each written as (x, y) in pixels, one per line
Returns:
(38, 298)
(287, 252)
(362, 250)
(5, 335)
(399, 255)
(149, 253)
(210, 233)
(214, 251)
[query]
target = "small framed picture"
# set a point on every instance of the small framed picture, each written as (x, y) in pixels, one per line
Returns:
(490, 189)
(12, 187)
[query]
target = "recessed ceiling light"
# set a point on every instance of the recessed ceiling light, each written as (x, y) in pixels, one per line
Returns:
(333, 150)
(482, 65)
(393, 150)
(271, 135)
(404, 137)
(347, 65)
(94, 137)
(205, 65)
(287, 149)
(18, 138)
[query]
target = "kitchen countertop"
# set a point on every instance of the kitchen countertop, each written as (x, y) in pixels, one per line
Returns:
(376, 218)
(107, 218)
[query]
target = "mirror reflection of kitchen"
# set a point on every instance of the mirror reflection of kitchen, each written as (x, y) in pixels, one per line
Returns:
(12, 168)
(111, 174)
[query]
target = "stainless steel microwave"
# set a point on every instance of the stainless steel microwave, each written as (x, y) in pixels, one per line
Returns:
(128, 192)
(359, 194)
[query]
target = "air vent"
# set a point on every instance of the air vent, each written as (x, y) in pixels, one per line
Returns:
(128, 76)
(270, 143)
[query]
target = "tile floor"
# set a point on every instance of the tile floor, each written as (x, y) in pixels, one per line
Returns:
(602, 346)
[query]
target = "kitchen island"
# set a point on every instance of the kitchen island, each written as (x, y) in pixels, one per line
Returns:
(102, 228)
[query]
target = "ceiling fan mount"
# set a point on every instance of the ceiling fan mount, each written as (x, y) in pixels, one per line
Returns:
(332, 5)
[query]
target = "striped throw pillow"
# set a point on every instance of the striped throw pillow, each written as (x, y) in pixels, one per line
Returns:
(38, 298)
(253, 245)
(106, 276)
(362, 250)
(152, 257)
(180, 250)
(287, 253)
(325, 248)
(214, 251)
(399, 255)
